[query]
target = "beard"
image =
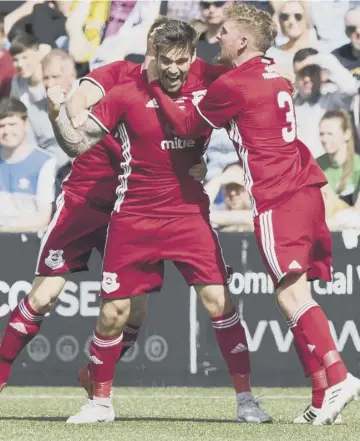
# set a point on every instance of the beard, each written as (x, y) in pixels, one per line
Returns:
(225, 58)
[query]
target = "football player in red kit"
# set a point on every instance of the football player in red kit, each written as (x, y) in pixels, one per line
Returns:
(284, 183)
(160, 214)
(79, 225)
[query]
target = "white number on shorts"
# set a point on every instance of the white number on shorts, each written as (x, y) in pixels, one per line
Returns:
(285, 99)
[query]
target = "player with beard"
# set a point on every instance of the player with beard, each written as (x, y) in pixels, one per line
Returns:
(160, 214)
(79, 225)
(284, 183)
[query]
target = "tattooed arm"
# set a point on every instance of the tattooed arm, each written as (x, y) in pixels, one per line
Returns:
(74, 142)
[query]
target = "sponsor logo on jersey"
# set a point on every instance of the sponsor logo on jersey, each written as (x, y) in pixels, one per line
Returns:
(95, 360)
(177, 143)
(109, 282)
(55, 259)
(152, 104)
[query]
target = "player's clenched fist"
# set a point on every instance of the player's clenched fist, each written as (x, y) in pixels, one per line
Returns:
(55, 97)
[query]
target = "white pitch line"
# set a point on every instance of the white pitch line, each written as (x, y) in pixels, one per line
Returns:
(148, 397)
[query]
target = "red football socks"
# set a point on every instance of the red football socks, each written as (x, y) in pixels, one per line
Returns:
(23, 325)
(314, 326)
(104, 354)
(231, 338)
(311, 366)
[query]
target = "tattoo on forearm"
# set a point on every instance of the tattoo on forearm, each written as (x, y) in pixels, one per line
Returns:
(74, 142)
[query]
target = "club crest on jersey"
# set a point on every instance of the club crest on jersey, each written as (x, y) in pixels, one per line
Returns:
(109, 282)
(198, 96)
(55, 259)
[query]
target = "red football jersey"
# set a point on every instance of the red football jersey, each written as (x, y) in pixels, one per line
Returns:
(94, 174)
(155, 164)
(257, 108)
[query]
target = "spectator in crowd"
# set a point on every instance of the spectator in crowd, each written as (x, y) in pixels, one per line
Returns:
(131, 37)
(208, 46)
(27, 174)
(295, 24)
(340, 163)
(7, 70)
(235, 213)
(328, 19)
(349, 54)
(314, 98)
(84, 26)
(41, 18)
(28, 87)
(118, 14)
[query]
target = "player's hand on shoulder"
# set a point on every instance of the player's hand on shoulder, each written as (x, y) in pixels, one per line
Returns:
(55, 98)
(285, 73)
(152, 73)
(198, 171)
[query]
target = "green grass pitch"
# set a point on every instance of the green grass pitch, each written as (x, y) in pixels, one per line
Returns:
(164, 414)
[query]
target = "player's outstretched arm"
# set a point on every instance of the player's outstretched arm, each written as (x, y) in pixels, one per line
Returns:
(185, 124)
(222, 103)
(73, 141)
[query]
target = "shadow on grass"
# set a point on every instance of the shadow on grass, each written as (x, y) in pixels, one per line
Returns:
(120, 419)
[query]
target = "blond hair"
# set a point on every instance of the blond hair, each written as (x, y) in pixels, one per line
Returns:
(65, 60)
(258, 22)
(346, 124)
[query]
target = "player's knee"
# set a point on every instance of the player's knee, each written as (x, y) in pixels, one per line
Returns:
(292, 293)
(45, 292)
(113, 315)
(215, 298)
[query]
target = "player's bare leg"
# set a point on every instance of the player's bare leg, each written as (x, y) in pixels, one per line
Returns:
(105, 350)
(231, 338)
(26, 319)
(296, 303)
(131, 330)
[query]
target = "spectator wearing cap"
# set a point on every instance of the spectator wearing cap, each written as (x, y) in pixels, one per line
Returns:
(313, 98)
(235, 213)
(208, 47)
(27, 174)
(349, 54)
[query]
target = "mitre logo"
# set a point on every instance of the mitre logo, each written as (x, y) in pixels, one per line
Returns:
(177, 143)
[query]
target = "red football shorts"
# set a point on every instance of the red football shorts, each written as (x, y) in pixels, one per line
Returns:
(137, 246)
(74, 231)
(294, 237)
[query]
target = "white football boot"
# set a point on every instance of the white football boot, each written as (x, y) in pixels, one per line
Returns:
(309, 415)
(93, 412)
(336, 398)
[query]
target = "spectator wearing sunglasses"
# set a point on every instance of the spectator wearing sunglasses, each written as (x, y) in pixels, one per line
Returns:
(212, 14)
(295, 24)
(314, 97)
(349, 54)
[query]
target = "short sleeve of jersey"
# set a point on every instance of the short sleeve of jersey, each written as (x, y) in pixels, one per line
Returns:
(110, 109)
(108, 76)
(222, 102)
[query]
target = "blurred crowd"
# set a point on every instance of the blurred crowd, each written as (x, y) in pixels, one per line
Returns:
(57, 42)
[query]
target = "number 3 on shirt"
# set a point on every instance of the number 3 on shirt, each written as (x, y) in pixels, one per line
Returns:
(285, 100)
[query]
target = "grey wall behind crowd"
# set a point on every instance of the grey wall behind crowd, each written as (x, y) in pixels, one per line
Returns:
(177, 345)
